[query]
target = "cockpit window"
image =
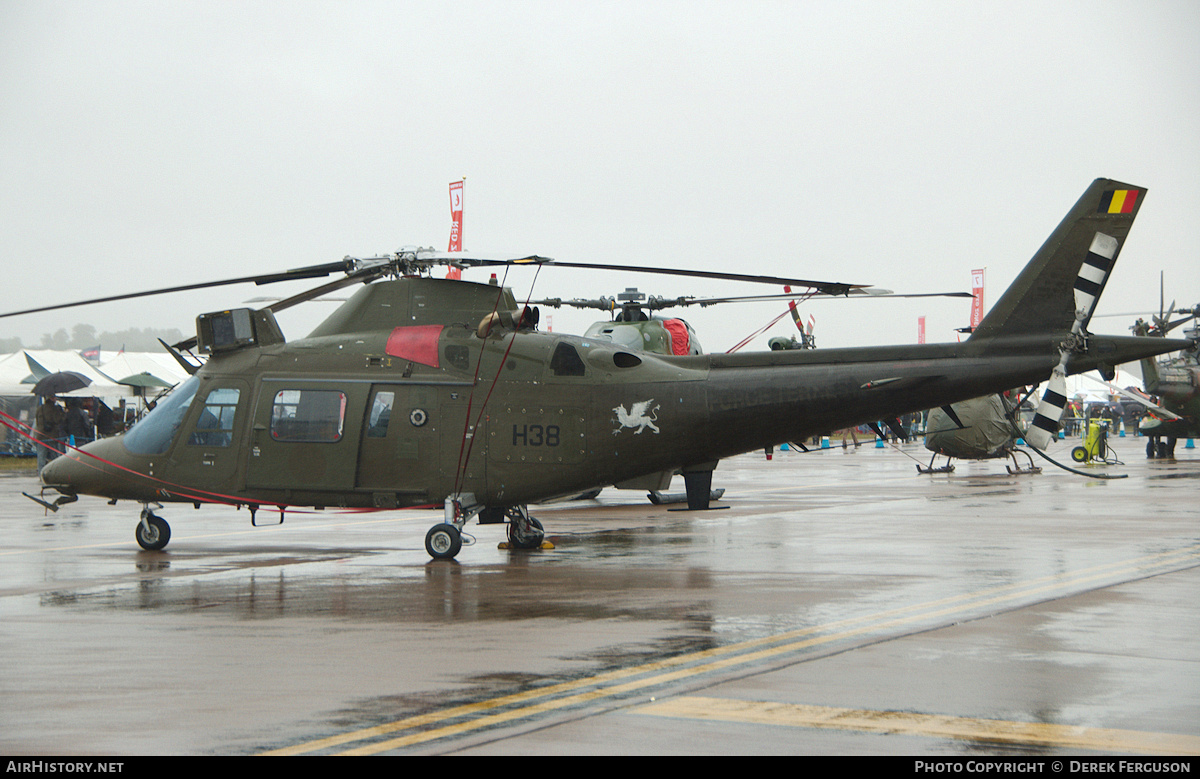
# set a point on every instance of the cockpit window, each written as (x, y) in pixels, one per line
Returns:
(215, 425)
(313, 416)
(154, 433)
(565, 361)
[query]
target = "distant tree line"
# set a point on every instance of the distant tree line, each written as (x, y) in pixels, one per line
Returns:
(85, 337)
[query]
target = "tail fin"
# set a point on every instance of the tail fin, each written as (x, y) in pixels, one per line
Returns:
(1070, 270)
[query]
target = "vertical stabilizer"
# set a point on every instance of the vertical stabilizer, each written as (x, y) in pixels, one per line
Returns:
(1068, 273)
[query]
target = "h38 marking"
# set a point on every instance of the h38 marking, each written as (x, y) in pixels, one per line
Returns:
(537, 435)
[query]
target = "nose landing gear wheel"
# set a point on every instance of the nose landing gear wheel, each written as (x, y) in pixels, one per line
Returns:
(152, 533)
(443, 542)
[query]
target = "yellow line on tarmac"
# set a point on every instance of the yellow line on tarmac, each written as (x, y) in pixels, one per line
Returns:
(928, 725)
(611, 684)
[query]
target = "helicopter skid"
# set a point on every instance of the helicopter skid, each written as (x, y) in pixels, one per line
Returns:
(1016, 470)
(947, 468)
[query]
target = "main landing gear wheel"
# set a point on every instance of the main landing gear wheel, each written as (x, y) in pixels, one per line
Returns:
(525, 532)
(152, 533)
(443, 541)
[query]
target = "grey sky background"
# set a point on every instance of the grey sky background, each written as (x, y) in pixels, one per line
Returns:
(899, 144)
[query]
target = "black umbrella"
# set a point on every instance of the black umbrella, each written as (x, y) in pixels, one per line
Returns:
(63, 381)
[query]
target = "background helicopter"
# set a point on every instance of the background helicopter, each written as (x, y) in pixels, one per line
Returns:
(420, 391)
(981, 428)
(635, 325)
(1175, 381)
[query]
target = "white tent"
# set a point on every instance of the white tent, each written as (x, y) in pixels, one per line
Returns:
(45, 361)
(160, 366)
(121, 376)
(15, 376)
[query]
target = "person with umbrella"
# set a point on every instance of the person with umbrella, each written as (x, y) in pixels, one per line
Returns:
(78, 423)
(51, 421)
(49, 427)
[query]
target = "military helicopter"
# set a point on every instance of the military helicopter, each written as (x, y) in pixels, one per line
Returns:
(1176, 382)
(420, 391)
(980, 428)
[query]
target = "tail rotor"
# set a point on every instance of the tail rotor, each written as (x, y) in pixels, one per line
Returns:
(1093, 274)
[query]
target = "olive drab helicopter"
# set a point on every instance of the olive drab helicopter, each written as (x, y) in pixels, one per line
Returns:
(980, 428)
(983, 428)
(1175, 381)
(420, 391)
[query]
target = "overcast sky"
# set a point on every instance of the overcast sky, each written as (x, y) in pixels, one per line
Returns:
(898, 144)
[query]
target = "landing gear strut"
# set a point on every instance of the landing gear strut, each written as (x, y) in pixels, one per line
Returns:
(152, 531)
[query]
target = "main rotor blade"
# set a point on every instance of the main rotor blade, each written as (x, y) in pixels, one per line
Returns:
(314, 271)
(827, 287)
(853, 293)
(362, 276)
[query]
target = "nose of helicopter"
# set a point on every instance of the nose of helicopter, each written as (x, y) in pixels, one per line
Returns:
(85, 471)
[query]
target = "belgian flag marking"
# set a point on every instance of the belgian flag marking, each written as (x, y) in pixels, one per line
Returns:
(1118, 201)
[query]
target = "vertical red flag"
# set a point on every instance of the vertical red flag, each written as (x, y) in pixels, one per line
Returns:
(456, 211)
(920, 329)
(977, 302)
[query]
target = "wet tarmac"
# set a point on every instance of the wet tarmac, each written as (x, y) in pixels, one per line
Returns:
(836, 603)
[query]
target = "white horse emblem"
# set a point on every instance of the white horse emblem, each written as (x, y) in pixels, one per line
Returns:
(640, 415)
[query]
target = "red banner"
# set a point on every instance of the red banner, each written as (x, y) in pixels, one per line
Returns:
(977, 302)
(920, 329)
(456, 209)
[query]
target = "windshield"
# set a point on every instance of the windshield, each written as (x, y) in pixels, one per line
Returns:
(153, 434)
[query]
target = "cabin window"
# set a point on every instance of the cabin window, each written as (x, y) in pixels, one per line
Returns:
(381, 414)
(215, 425)
(154, 433)
(565, 361)
(311, 416)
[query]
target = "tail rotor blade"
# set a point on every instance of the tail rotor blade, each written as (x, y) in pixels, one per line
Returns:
(1093, 275)
(1045, 422)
